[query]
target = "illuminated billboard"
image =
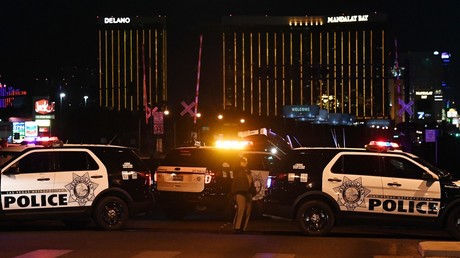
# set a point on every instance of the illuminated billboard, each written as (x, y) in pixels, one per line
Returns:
(43, 108)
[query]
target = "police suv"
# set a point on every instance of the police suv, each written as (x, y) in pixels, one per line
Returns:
(199, 179)
(317, 187)
(75, 183)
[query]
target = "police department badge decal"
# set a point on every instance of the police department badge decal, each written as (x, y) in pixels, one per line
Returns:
(351, 193)
(81, 189)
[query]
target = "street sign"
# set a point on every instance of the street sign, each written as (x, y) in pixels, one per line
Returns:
(430, 135)
(158, 129)
(158, 125)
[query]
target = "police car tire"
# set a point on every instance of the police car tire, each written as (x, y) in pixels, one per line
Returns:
(453, 223)
(111, 213)
(320, 218)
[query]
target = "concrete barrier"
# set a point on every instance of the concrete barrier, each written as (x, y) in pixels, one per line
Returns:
(439, 249)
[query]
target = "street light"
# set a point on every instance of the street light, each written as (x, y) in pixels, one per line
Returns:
(86, 99)
(61, 97)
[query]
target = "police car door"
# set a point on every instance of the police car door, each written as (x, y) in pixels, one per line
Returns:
(405, 190)
(81, 175)
(259, 164)
(353, 180)
(27, 183)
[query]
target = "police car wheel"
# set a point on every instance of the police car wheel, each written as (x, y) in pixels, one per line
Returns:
(315, 218)
(453, 223)
(111, 213)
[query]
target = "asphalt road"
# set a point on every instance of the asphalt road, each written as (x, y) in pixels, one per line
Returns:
(196, 236)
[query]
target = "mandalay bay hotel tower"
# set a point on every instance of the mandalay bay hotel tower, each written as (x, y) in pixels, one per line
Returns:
(339, 63)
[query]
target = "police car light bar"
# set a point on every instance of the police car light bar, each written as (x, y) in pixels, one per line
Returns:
(382, 145)
(45, 141)
(232, 144)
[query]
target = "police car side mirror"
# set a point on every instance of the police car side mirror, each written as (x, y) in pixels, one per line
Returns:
(428, 177)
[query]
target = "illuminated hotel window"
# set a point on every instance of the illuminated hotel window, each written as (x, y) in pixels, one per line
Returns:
(337, 63)
(129, 48)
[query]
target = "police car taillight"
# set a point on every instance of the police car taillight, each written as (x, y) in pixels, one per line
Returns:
(208, 176)
(382, 146)
(147, 176)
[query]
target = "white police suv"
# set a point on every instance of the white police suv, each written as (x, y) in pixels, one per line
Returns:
(318, 187)
(75, 183)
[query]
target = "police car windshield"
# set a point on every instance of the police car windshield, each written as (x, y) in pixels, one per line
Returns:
(441, 173)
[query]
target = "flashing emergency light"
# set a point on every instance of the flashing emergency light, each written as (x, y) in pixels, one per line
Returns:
(48, 141)
(382, 146)
(232, 144)
(40, 139)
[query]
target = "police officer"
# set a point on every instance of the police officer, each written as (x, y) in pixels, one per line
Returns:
(242, 186)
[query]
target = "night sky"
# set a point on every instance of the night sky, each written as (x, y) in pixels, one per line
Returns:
(39, 37)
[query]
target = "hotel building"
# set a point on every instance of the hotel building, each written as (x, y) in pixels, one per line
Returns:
(132, 62)
(339, 63)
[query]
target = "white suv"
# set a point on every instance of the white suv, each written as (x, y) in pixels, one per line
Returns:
(319, 186)
(74, 183)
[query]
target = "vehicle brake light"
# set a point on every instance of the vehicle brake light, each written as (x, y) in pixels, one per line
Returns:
(147, 176)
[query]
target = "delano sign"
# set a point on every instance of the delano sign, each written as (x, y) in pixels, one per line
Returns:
(113, 20)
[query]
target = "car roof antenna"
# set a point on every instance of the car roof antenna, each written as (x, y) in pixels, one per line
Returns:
(113, 138)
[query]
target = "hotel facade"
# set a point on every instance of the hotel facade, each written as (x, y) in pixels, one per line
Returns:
(340, 64)
(132, 62)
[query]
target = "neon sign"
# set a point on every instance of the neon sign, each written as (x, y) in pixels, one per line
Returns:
(43, 107)
(348, 18)
(117, 20)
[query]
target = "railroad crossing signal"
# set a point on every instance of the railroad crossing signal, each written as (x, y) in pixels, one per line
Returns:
(149, 112)
(188, 108)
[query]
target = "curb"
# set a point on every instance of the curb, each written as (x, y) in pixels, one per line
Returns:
(439, 249)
